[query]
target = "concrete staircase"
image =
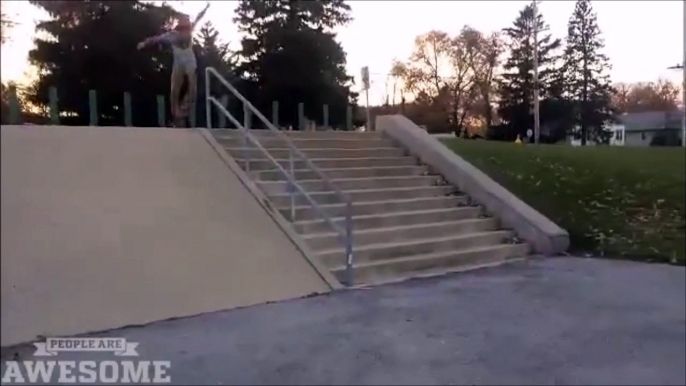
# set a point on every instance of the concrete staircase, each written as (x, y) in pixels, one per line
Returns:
(407, 221)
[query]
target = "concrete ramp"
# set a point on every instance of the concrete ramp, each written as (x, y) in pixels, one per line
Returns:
(107, 227)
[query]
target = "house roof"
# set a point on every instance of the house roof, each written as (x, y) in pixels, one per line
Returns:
(651, 120)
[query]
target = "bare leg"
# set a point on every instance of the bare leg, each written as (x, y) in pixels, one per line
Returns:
(176, 82)
(192, 93)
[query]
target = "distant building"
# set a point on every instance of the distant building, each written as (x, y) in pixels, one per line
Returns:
(650, 128)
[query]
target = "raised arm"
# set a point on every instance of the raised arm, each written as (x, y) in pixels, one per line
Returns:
(200, 15)
(167, 37)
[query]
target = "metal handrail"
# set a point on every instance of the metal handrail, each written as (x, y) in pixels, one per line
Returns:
(344, 235)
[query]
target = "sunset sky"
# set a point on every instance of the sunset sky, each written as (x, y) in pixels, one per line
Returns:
(642, 38)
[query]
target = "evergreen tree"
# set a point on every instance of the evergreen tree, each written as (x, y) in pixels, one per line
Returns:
(517, 83)
(291, 56)
(587, 84)
(214, 52)
(91, 45)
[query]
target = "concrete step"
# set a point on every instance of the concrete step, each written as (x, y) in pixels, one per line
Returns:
(330, 240)
(365, 172)
(384, 270)
(284, 153)
(387, 220)
(281, 187)
(362, 195)
(303, 213)
(311, 143)
(336, 257)
(332, 163)
(332, 134)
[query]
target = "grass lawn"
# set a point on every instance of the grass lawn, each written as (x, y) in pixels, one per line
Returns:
(613, 201)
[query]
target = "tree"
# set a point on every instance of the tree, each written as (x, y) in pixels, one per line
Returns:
(212, 52)
(92, 46)
(454, 73)
(516, 87)
(662, 95)
(586, 82)
(484, 67)
(5, 25)
(291, 55)
(216, 53)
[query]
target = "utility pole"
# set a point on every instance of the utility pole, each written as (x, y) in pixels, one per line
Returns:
(537, 117)
(682, 67)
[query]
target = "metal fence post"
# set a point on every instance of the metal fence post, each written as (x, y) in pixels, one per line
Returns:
(128, 120)
(54, 112)
(326, 117)
(222, 118)
(247, 117)
(349, 118)
(93, 107)
(301, 116)
(275, 114)
(15, 111)
(161, 116)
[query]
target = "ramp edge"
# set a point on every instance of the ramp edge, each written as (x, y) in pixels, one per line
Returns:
(272, 211)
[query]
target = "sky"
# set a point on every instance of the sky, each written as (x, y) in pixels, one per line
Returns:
(642, 38)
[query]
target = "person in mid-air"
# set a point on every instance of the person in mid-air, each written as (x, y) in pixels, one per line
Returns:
(181, 41)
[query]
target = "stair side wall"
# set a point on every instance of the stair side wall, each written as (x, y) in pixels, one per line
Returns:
(544, 236)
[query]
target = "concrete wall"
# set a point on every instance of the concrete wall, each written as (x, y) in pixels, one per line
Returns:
(543, 235)
(105, 227)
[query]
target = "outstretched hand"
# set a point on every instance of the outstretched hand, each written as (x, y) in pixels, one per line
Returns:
(140, 45)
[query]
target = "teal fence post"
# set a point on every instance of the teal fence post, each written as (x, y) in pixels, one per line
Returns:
(15, 112)
(301, 116)
(326, 117)
(194, 111)
(160, 111)
(349, 118)
(222, 118)
(54, 112)
(275, 114)
(128, 121)
(247, 117)
(93, 107)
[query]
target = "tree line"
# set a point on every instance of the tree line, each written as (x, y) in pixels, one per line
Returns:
(484, 83)
(288, 54)
(471, 83)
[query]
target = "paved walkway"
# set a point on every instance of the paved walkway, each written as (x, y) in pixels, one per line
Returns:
(556, 321)
(104, 227)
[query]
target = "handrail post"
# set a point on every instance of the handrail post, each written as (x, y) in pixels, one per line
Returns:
(345, 233)
(208, 105)
(290, 187)
(349, 244)
(246, 143)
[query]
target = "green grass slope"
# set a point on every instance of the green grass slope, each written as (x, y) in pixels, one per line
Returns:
(613, 201)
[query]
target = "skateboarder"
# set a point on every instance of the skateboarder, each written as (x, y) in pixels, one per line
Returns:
(181, 41)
